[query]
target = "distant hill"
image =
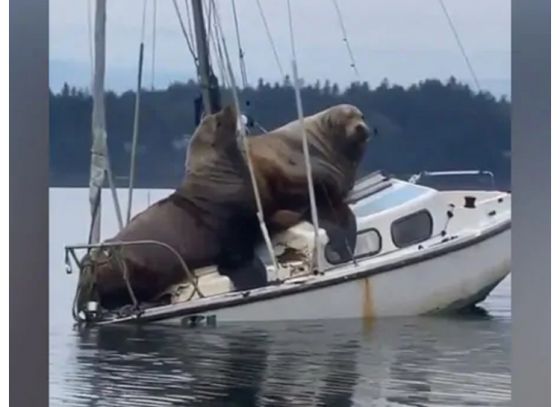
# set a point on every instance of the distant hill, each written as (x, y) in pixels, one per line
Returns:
(427, 126)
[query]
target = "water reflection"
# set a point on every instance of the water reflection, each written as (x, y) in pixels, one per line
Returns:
(394, 362)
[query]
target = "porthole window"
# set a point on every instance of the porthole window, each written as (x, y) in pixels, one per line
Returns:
(368, 243)
(412, 229)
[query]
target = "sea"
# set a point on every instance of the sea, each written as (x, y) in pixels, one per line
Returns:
(423, 361)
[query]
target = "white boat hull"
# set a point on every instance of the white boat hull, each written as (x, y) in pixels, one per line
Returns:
(436, 282)
(465, 254)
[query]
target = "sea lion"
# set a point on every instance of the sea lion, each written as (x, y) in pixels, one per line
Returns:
(337, 140)
(209, 219)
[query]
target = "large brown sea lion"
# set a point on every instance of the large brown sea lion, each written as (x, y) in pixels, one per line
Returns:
(209, 219)
(337, 140)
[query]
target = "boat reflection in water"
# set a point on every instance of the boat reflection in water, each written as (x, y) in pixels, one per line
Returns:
(426, 361)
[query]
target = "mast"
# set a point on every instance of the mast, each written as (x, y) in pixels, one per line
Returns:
(99, 134)
(207, 79)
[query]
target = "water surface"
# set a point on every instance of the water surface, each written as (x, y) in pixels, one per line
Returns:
(428, 361)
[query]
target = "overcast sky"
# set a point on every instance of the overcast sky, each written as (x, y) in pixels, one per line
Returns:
(402, 40)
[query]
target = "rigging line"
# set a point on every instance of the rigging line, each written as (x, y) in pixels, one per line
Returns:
(299, 106)
(245, 150)
(345, 39)
(154, 4)
(189, 43)
(260, 127)
(458, 39)
(242, 66)
(219, 58)
(113, 190)
(136, 117)
(144, 20)
(213, 25)
(270, 39)
(216, 46)
(189, 22)
(222, 47)
(291, 26)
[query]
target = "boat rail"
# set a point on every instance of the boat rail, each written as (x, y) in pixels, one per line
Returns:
(114, 248)
(448, 180)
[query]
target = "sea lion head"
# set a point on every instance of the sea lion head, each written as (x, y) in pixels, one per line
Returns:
(216, 170)
(348, 131)
(215, 134)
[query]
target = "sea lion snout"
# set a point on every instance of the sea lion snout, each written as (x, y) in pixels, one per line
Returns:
(361, 132)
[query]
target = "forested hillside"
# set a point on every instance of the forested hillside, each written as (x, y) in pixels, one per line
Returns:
(428, 126)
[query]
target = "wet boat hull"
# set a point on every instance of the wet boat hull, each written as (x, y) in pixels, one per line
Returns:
(446, 276)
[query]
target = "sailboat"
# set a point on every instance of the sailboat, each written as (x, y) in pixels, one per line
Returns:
(419, 250)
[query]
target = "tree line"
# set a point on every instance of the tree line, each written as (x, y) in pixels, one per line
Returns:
(431, 125)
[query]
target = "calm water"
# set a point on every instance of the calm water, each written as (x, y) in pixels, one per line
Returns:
(396, 362)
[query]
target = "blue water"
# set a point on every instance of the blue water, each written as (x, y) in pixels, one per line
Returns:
(428, 361)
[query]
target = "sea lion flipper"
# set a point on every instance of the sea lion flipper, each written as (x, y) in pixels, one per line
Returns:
(340, 224)
(247, 275)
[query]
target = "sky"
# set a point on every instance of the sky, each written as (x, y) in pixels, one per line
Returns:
(405, 41)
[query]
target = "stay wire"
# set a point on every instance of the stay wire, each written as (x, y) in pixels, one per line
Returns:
(154, 17)
(345, 39)
(216, 45)
(270, 39)
(310, 184)
(460, 44)
(185, 34)
(242, 67)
